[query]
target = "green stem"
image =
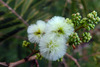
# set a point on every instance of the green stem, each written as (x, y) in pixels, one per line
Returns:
(79, 28)
(30, 48)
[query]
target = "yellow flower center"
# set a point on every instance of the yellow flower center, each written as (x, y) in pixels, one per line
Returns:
(38, 32)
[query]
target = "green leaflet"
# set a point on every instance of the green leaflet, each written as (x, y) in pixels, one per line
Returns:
(18, 3)
(26, 5)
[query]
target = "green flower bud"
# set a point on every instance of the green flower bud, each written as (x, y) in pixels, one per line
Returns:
(69, 21)
(97, 19)
(94, 13)
(41, 58)
(96, 22)
(73, 15)
(38, 55)
(58, 60)
(77, 14)
(80, 17)
(37, 58)
(61, 59)
(75, 43)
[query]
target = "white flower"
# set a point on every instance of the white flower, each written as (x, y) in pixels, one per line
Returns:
(59, 26)
(36, 31)
(52, 47)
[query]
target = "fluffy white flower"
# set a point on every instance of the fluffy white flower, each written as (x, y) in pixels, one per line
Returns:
(59, 26)
(52, 47)
(36, 31)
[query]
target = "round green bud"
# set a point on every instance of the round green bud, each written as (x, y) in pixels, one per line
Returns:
(58, 60)
(77, 14)
(61, 59)
(96, 22)
(80, 17)
(73, 15)
(69, 21)
(41, 58)
(38, 55)
(97, 19)
(94, 13)
(88, 28)
(37, 58)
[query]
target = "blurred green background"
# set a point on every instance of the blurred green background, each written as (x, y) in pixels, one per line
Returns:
(13, 31)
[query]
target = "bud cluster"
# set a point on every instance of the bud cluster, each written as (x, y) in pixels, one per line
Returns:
(25, 44)
(76, 19)
(69, 21)
(86, 37)
(39, 56)
(61, 59)
(91, 20)
(74, 39)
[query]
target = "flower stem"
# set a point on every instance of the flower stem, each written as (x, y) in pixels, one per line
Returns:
(79, 28)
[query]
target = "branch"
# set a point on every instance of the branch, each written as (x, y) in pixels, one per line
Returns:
(36, 63)
(64, 62)
(14, 12)
(3, 64)
(14, 64)
(28, 58)
(72, 58)
(20, 37)
(50, 64)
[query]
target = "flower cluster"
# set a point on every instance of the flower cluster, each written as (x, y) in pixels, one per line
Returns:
(51, 36)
